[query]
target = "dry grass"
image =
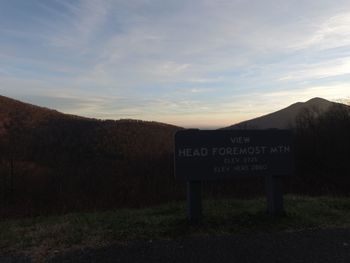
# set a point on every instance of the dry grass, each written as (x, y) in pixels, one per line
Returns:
(43, 237)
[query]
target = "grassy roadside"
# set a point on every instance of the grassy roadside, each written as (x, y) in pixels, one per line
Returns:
(49, 235)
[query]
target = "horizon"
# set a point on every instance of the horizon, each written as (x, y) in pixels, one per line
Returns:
(201, 127)
(195, 64)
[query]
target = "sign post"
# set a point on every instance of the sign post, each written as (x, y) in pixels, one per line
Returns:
(226, 154)
(194, 201)
(274, 195)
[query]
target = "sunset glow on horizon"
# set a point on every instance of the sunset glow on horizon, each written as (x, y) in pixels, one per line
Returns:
(200, 63)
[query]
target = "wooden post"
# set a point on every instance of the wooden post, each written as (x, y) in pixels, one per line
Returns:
(274, 195)
(194, 202)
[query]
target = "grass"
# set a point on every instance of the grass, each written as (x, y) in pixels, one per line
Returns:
(45, 235)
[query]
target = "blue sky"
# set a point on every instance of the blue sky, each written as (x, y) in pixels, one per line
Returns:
(194, 63)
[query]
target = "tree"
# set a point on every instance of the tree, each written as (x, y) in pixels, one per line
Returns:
(323, 149)
(13, 148)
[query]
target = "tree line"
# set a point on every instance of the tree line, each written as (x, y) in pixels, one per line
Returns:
(65, 164)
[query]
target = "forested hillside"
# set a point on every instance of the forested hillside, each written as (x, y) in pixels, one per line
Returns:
(56, 163)
(51, 161)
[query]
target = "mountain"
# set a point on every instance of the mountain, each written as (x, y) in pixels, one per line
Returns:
(50, 129)
(284, 118)
(10, 107)
(52, 162)
(30, 115)
(58, 162)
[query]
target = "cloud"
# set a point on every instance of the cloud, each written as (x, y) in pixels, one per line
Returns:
(86, 19)
(331, 33)
(202, 40)
(324, 69)
(184, 61)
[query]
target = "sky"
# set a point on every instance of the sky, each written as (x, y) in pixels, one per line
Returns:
(192, 63)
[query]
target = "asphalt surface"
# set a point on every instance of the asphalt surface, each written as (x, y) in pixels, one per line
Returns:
(307, 246)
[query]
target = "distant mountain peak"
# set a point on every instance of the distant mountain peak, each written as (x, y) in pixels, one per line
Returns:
(317, 99)
(284, 118)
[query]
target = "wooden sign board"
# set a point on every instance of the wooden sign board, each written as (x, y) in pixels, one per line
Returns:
(221, 154)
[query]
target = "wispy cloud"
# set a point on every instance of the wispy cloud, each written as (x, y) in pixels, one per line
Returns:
(323, 69)
(331, 33)
(87, 17)
(180, 61)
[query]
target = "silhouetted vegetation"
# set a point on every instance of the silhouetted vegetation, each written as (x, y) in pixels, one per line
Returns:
(323, 151)
(84, 164)
(56, 163)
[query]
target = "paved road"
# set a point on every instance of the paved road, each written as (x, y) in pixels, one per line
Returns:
(309, 246)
